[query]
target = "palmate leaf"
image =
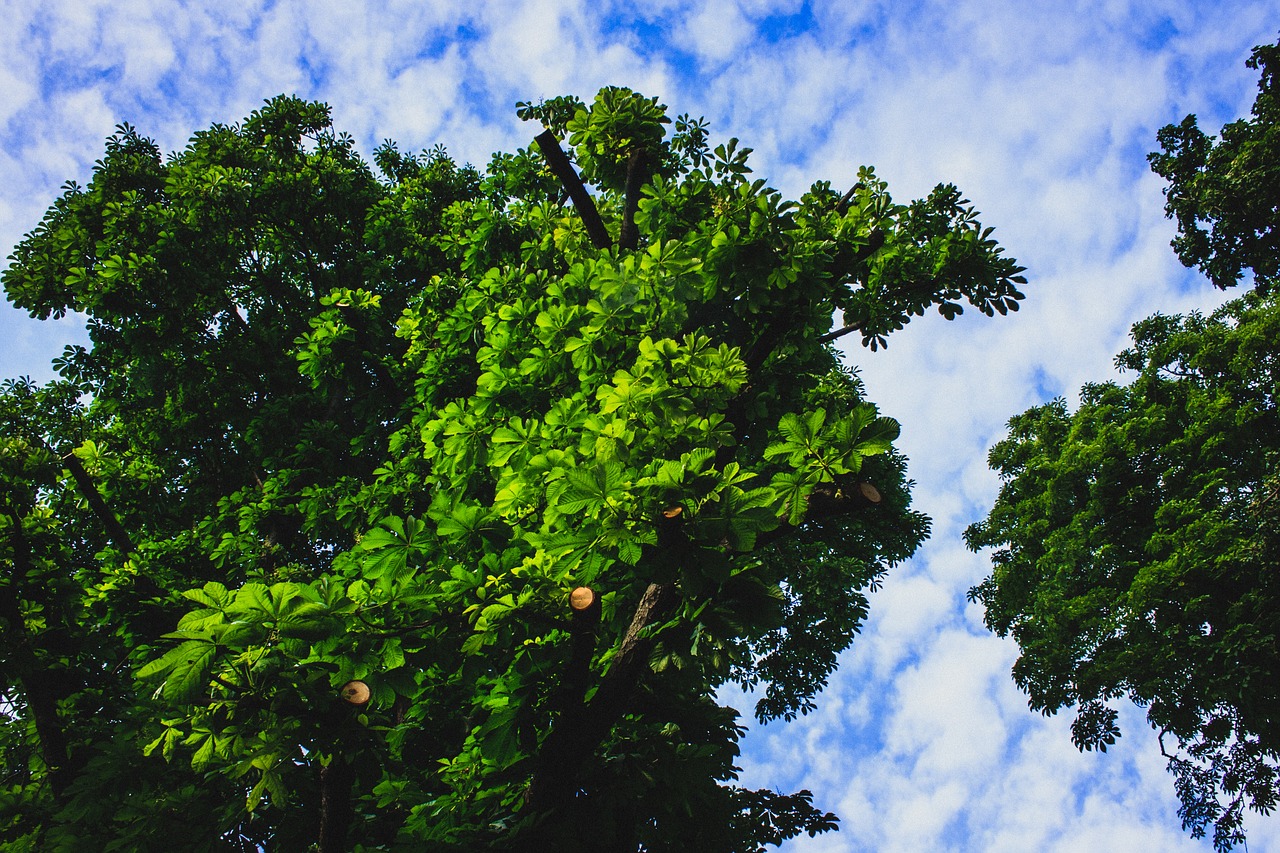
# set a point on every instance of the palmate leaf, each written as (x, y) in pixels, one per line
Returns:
(590, 488)
(497, 737)
(255, 601)
(305, 620)
(878, 437)
(792, 490)
(835, 449)
(200, 622)
(737, 516)
(513, 496)
(212, 594)
(270, 784)
(674, 473)
(388, 548)
(801, 437)
(167, 741)
(204, 754)
(517, 439)
(629, 551)
(463, 523)
(186, 668)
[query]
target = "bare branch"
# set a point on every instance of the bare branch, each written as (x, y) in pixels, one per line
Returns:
(563, 169)
(840, 333)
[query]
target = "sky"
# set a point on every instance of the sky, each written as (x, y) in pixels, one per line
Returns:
(1042, 113)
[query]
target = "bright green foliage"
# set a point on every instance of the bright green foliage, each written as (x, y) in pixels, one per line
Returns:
(1137, 537)
(343, 428)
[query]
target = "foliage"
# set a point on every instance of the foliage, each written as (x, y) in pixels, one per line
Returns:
(1231, 185)
(336, 428)
(1136, 537)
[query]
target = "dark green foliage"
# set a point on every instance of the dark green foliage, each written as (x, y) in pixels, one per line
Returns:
(337, 428)
(1132, 559)
(1136, 537)
(1231, 185)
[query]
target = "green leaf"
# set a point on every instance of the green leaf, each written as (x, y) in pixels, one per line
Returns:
(878, 437)
(591, 487)
(203, 754)
(212, 595)
(189, 677)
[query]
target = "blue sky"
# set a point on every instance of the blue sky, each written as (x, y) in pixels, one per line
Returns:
(1042, 114)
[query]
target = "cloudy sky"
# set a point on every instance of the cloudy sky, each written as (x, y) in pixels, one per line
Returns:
(1041, 112)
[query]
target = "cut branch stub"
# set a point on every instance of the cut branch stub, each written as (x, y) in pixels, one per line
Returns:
(828, 500)
(582, 598)
(355, 692)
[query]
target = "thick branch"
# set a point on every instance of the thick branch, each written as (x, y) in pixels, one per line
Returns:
(563, 170)
(840, 333)
(637, 176)
(842, 206)
(585, 605)
(93, 497)
(115, 530)
(581, 729)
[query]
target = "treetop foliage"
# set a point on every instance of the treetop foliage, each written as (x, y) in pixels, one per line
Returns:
(429, 508)
(1230, 185)
(1136, 538)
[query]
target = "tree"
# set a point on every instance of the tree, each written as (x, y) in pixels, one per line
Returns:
(424, 511)
(1137, 537)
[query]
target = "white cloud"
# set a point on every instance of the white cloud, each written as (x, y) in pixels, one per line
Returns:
(717, 32)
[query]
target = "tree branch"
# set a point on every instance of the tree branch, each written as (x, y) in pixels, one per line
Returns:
(93, 497)
(336, 779)
(839, 333)
(842, 206)
(585, 604)
(115, 531)
(638, 169)
(563, 170)
(580, 729)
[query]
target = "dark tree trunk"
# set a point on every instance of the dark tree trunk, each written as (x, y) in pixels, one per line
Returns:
(336, 779)
(38, 682)
(581, 728)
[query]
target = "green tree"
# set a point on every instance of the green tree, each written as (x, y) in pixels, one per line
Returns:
(427, 511)
(1137, 537)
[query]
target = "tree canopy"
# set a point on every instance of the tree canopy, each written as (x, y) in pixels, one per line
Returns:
(1136, 538)
(429, 508)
